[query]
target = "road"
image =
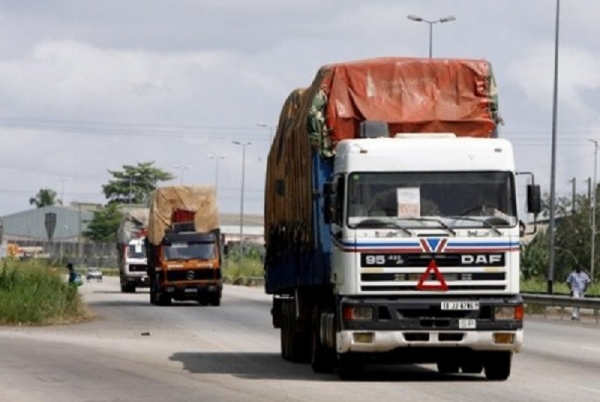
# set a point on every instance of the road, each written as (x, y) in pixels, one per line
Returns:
(137, 352)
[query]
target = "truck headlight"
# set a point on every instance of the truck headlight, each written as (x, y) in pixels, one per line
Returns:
(508, 313)
(357, 313)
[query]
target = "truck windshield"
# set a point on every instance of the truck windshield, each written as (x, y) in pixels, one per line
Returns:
(136, 251)
(457, 199)
(190, 251)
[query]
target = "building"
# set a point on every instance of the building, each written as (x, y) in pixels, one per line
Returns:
(71, 221)
(253, 230)
(58, 223)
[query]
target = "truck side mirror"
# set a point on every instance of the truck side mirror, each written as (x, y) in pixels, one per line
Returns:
(534, 199)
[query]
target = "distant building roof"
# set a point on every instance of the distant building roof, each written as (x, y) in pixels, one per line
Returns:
(30, 224)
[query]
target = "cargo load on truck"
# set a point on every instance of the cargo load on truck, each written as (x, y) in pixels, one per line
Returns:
(133, 224)
(175, 204)
(184, 245)
(131, 249)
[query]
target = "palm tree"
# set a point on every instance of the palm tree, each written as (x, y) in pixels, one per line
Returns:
(45, 197)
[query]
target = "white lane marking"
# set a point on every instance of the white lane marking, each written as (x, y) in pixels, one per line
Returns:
(590, 348)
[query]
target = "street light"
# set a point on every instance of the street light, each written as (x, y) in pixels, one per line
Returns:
(551, 234)
(131, 176)
(593, 253)
(265, 125)
(181, 169)
(216, 158)
(243, 145)
(416, 18)
(62, 188)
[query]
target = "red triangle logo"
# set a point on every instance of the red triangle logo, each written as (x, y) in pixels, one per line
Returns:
(432, 268)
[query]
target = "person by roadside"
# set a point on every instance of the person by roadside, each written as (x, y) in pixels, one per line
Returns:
(74, 277)
(578, 282)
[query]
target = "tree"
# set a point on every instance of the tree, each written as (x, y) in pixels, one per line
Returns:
(104, 225)
(44, 198)
(534, 256)
(134, 184)
(572, 240)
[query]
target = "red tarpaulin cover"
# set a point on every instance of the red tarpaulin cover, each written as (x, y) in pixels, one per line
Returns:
(412, 95)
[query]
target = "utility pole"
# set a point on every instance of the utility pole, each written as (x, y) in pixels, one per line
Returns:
(551, 227)
(130, 185)
(574, 200)
(593, 209)
(243, 145)
(62, 180)
(181, 169)
(79, 236)
(216, 158)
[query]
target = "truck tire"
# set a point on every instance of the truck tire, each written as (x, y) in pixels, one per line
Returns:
(162, 299)
(497, 366)
(448, 366)
(153, 299)
(215, 299)
(295, 345)
(349, 367)
(283, 341)
(322, 358)
(127, 288)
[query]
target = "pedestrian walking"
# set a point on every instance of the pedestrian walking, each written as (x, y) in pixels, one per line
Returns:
(578, 282)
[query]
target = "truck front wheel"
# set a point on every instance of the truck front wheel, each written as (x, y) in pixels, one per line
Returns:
(497, 366)
(215, 299)
(322, 358)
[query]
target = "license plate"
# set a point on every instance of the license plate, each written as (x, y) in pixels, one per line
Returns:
(460, 305)
(466, 323)
(191, 290)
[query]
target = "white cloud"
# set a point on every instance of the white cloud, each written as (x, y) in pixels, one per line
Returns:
(578, 72)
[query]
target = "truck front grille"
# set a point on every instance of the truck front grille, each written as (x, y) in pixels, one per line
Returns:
(138, 267)
(193, 274)
(401, 273)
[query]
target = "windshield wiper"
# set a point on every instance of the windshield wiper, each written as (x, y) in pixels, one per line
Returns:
(485, 222)
(441, 222)
(373, 223)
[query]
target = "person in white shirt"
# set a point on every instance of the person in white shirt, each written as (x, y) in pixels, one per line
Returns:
(578, 282)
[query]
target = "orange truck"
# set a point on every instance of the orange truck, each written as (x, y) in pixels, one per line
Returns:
(183, 245)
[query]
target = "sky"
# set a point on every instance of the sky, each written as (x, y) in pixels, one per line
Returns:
(89, 86)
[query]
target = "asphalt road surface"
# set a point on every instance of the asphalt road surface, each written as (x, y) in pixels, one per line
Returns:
(137, 352)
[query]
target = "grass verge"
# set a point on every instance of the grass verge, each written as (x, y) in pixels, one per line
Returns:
(32, 293)
(233, 272)
(540, 286)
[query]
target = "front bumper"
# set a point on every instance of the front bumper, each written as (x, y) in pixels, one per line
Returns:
(192, 290)
(138, 280)
(387, 341)
(422, 323)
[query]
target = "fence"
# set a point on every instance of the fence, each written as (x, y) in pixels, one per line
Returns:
(564, 302)
(91, 254)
